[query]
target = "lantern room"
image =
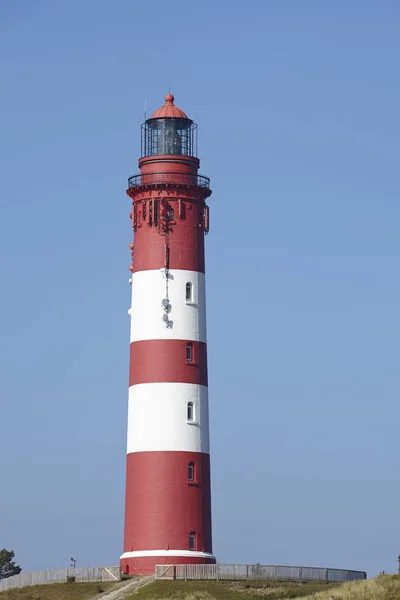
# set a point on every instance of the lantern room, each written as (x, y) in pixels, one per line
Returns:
(169, 132)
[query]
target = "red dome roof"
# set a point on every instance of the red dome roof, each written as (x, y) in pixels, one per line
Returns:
(169, 110)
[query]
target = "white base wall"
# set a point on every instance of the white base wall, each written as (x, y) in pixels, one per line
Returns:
(171, 553)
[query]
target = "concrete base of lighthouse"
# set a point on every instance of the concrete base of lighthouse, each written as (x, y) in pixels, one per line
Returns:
(143, 563)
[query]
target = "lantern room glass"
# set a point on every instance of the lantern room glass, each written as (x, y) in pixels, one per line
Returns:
(169, 136)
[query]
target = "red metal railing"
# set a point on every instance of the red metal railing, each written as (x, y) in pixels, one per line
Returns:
(142, 179)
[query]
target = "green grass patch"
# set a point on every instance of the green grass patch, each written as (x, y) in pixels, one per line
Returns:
(228, 590)
(384, 587)
(58, 591)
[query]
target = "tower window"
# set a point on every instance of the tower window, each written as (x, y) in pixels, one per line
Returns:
(192, 540)
(190, 411)
(189, 352)
(189, 292)
(191, 471)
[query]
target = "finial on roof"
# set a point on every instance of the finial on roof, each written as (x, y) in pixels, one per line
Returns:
(169, 109)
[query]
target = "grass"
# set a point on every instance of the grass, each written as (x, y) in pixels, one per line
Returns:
(384, 587)
(228, 590)
(58, 591)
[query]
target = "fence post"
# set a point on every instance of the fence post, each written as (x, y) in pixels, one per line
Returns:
(327, 575)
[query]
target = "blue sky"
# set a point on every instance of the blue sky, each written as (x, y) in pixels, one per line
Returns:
(298, 112)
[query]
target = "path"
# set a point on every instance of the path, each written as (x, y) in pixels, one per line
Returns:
(126, 588)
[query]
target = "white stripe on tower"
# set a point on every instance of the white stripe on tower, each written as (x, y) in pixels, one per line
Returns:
(187, 319)
(157, 418)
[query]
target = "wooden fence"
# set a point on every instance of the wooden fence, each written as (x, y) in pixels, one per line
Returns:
(59, 575)
(256, 572)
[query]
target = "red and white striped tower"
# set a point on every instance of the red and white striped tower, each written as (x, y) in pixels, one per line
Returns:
(168, 500)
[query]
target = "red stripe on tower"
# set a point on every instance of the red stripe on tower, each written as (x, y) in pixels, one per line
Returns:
(168, 360)
(168, 499)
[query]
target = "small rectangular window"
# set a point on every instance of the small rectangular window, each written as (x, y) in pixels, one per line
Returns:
(190, 411)
(189, 292)
(191, 471)
(189, 352)
(192, 541)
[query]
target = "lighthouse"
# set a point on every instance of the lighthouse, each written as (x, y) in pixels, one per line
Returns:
(168, 498)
